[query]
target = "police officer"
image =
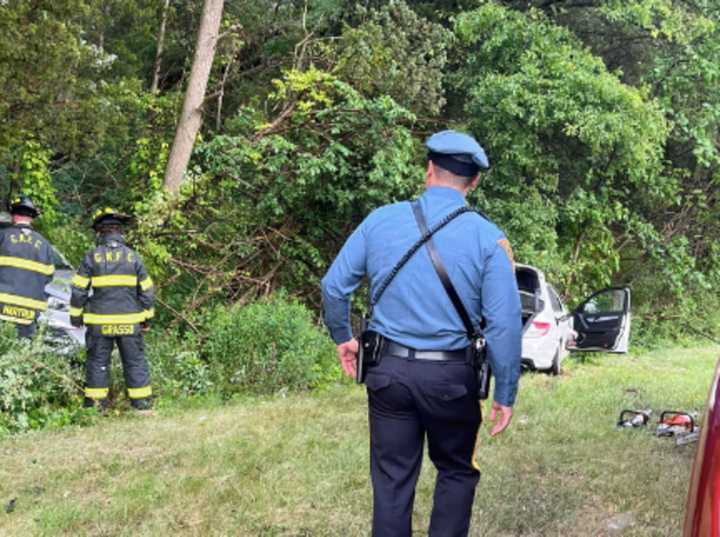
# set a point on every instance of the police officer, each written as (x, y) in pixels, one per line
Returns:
(26, 267)
(424, 387)
(117, 311)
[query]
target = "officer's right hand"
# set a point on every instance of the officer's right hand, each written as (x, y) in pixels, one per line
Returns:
(500, 416)
(347, 354)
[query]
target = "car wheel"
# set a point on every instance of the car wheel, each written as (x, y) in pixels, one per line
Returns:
(555, 367)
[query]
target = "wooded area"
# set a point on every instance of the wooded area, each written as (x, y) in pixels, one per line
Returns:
(601, 119)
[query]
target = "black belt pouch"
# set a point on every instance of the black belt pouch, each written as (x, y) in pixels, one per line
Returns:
(369, 349)
(482, 367)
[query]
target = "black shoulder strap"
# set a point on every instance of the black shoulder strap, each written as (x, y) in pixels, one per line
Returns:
(426, 235)
(442, 273)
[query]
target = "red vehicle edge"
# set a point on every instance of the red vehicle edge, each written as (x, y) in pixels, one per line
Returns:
(702, 514)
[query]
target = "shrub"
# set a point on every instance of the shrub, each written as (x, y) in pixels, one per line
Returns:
(38, 386)
(176, 369)
(266, 347)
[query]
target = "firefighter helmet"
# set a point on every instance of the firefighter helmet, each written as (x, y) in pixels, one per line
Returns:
(109, 216)
(23, 205)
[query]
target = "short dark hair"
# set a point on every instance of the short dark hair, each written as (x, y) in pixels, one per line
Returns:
(108, 229)
(447, 176)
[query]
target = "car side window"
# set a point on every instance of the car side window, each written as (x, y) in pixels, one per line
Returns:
(555, 300)
(611, 301)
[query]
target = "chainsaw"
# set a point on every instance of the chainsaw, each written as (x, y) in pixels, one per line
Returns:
(680, 425)
(634, 418)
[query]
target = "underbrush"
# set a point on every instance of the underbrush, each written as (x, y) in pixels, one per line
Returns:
(269, 347)
(687, 327)
(39, 387)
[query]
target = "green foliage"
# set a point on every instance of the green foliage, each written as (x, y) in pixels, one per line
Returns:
(577, 154)
(269, 203)
(395, 52)
(267, 347)
(38, 387)
(600, 119)
(34, 179)
(46, 76)
(176, 367)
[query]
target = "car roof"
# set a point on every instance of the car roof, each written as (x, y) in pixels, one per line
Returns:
(527, 267)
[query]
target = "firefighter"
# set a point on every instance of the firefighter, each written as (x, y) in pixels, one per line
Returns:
(117, 311)
(26, 267)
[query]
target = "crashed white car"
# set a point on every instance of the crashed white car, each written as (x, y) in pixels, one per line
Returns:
(59, 332)
(600, 324)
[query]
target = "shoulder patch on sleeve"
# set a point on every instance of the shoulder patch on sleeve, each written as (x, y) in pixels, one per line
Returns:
(505, 245)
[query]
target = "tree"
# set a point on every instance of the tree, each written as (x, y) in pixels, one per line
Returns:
(577, 154)
(160, 45)
(191, 115)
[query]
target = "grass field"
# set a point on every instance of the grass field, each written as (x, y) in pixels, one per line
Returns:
(298, 466)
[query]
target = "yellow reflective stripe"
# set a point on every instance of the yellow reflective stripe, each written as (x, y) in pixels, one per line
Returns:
(146, 284)
(75, 312)
(80, 281)
(139, 393)
(118, 318)
(114, 281)
(149, 314)
(473, 459)
(19, 262)
(16, 300)
(96, 393)
(16, 320)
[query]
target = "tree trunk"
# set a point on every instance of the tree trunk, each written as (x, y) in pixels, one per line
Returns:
(160, 45)
(221, 96)
(191, 115)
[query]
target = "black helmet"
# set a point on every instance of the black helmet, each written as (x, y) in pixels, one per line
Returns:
(109, 216)
(23, 205)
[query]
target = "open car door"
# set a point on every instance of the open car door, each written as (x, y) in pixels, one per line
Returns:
(602, 322)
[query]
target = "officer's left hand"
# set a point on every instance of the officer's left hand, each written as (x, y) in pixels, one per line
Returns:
(347, 354)
(500, 416)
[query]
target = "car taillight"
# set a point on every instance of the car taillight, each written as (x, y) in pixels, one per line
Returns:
(537, 329)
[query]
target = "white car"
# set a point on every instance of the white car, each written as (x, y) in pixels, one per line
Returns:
(600, 324)
(59, 332)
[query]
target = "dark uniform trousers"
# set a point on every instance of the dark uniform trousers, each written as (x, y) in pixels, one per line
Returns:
(410, 400)
(135, 366)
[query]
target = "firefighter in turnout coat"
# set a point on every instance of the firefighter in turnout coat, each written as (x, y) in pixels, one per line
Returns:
(26, 267)
(117, 311)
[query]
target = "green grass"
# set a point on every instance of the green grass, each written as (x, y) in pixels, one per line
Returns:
(298, 466)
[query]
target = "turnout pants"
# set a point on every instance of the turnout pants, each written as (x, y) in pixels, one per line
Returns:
(410, 401)
(135, 367)
(26, 331)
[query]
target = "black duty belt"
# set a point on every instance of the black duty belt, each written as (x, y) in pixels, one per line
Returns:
(401, 351)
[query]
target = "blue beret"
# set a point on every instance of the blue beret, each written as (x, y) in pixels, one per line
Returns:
(457, 152)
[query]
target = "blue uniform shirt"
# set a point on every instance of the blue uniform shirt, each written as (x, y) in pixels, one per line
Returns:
(415, 310)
